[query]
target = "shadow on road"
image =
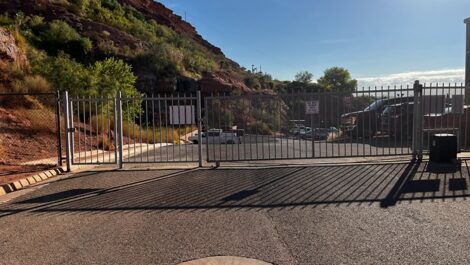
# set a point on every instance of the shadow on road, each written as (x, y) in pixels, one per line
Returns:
(383, 185)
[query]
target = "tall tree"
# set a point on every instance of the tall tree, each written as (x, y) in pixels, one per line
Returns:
(304, 77)
(337, 79)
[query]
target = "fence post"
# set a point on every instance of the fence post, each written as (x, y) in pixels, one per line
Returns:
(68, 149)
(59, 130)
(115, 130)
(119, 133)
(417, 135)
(199, 127)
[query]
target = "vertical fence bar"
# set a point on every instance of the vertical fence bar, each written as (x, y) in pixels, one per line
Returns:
(160, 124)
(119, 134)
(199, 127)
(206, 118)
(79, 136)
(68, 149)
(72, 134)
(116, 130)
(465, 117)
(153, 129)
(146, 127)
(58, 130)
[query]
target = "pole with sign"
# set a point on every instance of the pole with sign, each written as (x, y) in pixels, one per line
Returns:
(312, 107)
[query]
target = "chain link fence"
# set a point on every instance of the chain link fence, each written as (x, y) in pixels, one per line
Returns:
(30, 130)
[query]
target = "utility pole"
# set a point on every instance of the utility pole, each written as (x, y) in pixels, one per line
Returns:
(467, 63)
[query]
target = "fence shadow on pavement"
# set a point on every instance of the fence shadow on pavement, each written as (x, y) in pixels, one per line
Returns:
(379, 185)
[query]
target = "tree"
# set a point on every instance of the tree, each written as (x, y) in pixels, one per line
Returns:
(337, 79)
(111, 76)
(304, 77)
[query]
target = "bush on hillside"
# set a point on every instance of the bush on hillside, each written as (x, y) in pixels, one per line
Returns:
(59, 36)
(102, 79)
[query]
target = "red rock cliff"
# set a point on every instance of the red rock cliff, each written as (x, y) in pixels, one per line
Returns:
(165, 16)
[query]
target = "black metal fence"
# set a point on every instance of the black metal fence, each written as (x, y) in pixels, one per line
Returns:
(378, 121)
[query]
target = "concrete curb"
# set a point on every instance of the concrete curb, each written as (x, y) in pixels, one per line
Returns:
(27, 181)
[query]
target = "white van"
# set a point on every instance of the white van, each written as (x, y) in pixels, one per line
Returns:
(216, 136)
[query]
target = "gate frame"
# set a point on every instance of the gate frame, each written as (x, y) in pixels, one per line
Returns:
(119, 139)
(417, 133)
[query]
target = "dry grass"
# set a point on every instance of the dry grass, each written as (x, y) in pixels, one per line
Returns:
(31, 84)
(106, 144)
(143, 135)
(101, 123)
(42, 120)
(104, 123)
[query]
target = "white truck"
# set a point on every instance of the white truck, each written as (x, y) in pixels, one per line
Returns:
(216, 136)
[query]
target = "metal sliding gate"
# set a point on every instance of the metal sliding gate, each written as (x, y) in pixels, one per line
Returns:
(379, 121)
(306, 126)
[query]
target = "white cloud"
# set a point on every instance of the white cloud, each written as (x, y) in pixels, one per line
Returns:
(437, 76)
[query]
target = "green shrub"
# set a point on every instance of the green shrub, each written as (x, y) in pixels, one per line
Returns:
(79, 7)
(6, 20)
(170, 53)
(59, 36)
(102, 79)
(157, 60)
(63, 72)
(253, 82)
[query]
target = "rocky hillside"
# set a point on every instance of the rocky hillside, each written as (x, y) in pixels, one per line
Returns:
(165, 52)
(165, 16)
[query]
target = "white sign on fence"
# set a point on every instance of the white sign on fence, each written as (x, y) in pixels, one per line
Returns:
(182, 115)
(312, 107)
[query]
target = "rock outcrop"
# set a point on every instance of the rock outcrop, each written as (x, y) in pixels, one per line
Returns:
(221, 82)
(165, 16)
(9, 50)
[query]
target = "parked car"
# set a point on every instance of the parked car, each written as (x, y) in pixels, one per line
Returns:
(298, 129)
(397, 120)
(216, 136)
(366, 123)
(320, 133)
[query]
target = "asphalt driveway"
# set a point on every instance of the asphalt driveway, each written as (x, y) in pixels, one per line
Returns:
(353, 214)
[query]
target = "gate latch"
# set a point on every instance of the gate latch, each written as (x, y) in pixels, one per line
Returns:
(71, 130)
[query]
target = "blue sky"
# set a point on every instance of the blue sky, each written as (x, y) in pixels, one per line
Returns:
(371, 38)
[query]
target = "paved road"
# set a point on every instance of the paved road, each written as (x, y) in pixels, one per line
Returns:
(392, 213)
(259, 147)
